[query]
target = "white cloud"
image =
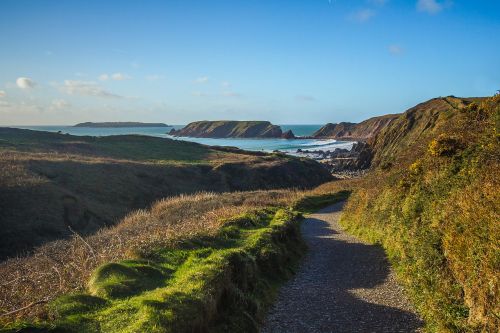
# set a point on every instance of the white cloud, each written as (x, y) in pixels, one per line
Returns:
(395, 49)
(362, 15)
(198, 94)
(120, 77)
(59, 104)
(432, 6)
(86, 88)
(201, 79)
(25, 83)
(225, 84)
(115, 77)
(2, 94)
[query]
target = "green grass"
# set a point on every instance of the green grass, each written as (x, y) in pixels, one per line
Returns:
(218, 284)
(311, 203)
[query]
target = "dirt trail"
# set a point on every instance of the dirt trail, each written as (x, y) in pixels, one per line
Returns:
(343, 285)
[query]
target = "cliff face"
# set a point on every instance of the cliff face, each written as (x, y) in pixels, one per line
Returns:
(408, 135)
(363, 131)
(231, 129)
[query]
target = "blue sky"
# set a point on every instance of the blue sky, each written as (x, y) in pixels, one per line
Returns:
(290, 62)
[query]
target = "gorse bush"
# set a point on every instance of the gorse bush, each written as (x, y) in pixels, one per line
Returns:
(438, 219)
(445, 146)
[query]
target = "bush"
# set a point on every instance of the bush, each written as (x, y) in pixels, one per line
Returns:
(445, 146)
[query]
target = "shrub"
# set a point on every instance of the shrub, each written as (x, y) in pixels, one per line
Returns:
(445, 146)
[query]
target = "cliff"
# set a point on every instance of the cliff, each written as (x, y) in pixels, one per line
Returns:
(352, 131)
(232, 129)
(120, 124)
(408, 135)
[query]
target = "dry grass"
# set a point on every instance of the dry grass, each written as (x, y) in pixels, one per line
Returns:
(50, 181)
(63, 267)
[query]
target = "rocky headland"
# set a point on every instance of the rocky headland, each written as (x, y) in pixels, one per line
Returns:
(232, 129)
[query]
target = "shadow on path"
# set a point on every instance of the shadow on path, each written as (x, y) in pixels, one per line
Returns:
(342, 286)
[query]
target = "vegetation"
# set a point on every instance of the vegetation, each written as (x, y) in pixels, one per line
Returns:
(51, 183)
(215, 257)
(431, 200)
(314, 202)
(435, 209)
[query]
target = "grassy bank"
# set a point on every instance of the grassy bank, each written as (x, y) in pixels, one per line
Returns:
(52, 183)
(436, 212)
(151, 249)
(220, 283)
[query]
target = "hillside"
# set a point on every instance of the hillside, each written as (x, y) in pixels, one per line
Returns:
(51, 182)
(409, 133)
(120, 124)
(351, 131)
(232, 129)
(192, 263)
(432, 201)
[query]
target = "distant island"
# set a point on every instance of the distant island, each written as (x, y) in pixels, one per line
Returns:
(232, 129)
(120, 124)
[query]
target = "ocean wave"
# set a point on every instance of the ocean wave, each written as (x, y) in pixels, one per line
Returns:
(319, 142)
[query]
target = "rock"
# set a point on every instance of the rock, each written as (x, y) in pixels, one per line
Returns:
(288, 135)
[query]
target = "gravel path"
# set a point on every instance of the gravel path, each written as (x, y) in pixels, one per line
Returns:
(343, 285)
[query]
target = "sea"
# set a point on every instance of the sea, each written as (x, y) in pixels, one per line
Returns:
(267, 145)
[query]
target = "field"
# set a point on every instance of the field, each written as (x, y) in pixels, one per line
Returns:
(154, 241)
(52, 185)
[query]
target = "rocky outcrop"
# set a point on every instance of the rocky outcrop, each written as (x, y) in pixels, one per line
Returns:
(288, 135)
(232, 129)
(363, 131)
(343, 160)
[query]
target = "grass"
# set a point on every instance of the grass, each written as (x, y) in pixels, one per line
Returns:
(50, 182)
(436, 213)
(312, 203)
(138, 245)
(217, 283)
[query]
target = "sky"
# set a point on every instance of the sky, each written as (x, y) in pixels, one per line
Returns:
(289, 62)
